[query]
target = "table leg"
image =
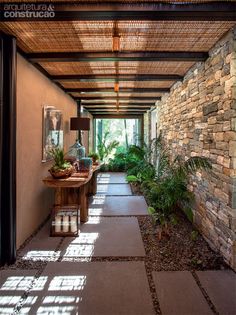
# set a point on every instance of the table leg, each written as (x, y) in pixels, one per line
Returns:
(83, 203)
(58, 196)
(94, 183)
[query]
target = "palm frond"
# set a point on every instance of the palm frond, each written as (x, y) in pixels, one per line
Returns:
(196, 163)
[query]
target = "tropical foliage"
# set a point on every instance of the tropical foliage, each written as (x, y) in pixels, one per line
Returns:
(104, 147)
(163, 179)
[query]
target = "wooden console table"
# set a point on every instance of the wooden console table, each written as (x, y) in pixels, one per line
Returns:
(74, 190)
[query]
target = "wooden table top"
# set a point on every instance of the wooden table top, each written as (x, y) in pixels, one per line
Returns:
(70, 182)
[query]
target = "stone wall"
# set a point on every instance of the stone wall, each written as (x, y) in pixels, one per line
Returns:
(198, 117)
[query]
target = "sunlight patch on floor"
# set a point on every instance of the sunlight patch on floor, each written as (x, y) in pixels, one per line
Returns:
(98, 200)
(95, 211)
(67, 283)
(93, 220)
(82, 246)
(16, 283)
(102, 188)
(52, 310)
(41, 255)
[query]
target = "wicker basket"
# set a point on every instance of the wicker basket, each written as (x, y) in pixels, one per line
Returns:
(62, 173)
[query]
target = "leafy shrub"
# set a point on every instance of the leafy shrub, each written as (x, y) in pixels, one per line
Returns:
(104, 148)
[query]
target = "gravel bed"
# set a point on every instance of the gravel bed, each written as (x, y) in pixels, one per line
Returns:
(178, 251)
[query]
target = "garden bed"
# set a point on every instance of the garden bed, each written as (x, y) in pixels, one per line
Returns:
(178, 251)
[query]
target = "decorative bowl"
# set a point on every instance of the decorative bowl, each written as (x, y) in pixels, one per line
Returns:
(62, 173)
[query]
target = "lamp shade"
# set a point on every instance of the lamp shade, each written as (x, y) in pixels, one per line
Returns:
(79, 123)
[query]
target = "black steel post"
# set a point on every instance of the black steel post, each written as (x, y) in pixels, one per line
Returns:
(79, 115)
(8, 149)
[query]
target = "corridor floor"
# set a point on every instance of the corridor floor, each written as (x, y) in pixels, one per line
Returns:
(103, 270)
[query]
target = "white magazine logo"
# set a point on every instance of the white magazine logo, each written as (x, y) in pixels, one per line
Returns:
(28, 10)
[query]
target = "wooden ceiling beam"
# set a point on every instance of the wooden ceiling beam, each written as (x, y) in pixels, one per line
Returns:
(118, 116)
(117, 56)
(119, 111)
(114, 108)
(94, 91)
(114, 103)
(116, 78)
(118, 11)
(131, 98)
(120, 105)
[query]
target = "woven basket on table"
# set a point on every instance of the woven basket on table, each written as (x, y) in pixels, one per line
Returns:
(62, 173)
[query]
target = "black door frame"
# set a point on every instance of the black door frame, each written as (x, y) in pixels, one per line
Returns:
(7, 149)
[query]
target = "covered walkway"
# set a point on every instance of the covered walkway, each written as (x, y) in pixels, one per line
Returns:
(105, 269)
(67, 68)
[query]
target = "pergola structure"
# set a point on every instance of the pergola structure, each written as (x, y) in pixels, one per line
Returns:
(119, 57)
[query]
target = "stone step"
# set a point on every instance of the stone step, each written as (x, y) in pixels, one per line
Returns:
(112, 178)
(99, 237)
(113, 206)
(101, 288)
(220, 286)
(178, 294)
(114, 189)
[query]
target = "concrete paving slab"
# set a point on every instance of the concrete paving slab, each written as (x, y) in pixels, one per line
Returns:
(220, 286)
(44, 232)
(127, 205)
(178, 294)
(112, 178)
(94, 288)
(40, 248)
(105, 237)
(13, 284)
(114, 189)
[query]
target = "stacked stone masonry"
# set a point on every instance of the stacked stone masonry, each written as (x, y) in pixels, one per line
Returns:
(198, 118)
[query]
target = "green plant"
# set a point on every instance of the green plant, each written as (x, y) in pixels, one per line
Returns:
(163, 221)
(59, 160)
(104, 148)
(194, 235)
(132, 179)
(94, 156)
(169, 189)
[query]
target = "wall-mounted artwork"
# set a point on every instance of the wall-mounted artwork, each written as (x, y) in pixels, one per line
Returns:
(52, 131)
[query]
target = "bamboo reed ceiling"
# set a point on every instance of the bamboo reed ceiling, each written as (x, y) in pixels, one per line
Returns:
(135, 36)
(135, 84)
(116, 68)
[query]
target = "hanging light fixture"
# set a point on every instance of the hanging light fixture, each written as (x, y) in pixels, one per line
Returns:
(116, 43)
(79, 123)
(116, 87)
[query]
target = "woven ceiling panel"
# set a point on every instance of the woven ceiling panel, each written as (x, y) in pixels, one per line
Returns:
(134, 35)
(134, 84)
(97, 68)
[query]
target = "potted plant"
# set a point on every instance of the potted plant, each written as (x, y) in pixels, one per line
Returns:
(94, 156)
(61, 168)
